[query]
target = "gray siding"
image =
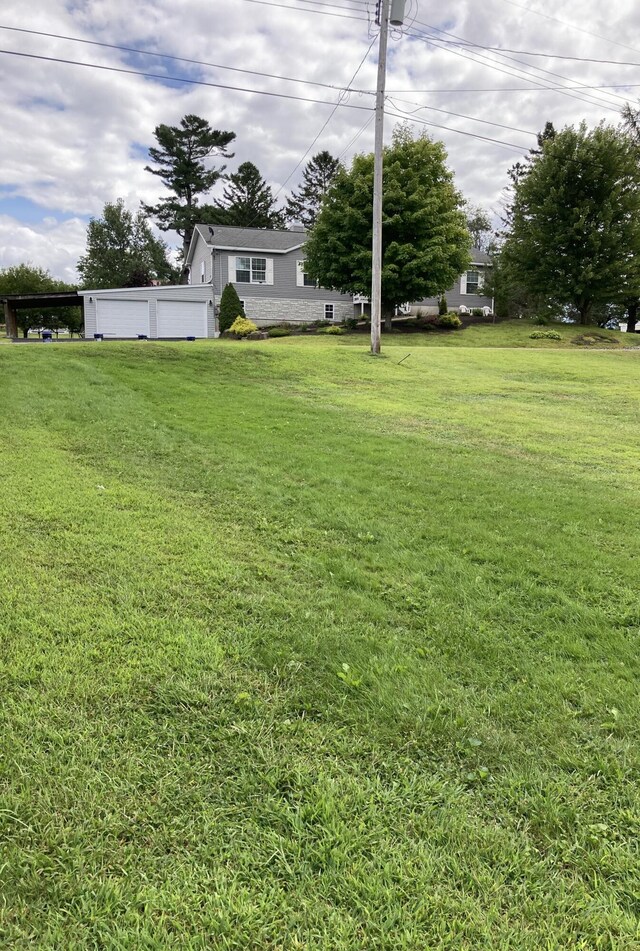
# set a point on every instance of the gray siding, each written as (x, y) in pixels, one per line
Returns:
(186, 292)
(455, 297)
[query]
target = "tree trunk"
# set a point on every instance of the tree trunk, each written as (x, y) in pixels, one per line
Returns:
(388, 321)
(632, 316)
(584, 309)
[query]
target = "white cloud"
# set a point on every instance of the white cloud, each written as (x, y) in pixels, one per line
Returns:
(70, 132)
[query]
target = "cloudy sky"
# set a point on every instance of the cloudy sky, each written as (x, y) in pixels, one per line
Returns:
(75, 136)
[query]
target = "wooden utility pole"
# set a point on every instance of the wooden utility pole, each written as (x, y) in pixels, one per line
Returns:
(397, 17)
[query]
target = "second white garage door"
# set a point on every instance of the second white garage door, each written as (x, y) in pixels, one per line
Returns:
(122, 318)
(182, 318)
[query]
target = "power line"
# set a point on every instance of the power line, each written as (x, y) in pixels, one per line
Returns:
(571, 26)
(338, 16)
(180, 79)
(178, 59)
(357, 135)
(478, 59)
(473, 135)
(520, 88)
(539, 69)
(460, 115)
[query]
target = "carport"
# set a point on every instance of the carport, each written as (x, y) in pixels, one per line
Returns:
(15, 302)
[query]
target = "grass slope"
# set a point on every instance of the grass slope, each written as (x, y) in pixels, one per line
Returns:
(303, 649)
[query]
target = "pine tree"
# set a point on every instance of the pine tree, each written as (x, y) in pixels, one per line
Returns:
(319, 173)
(247, 201)
(180, 160)
(230, 308)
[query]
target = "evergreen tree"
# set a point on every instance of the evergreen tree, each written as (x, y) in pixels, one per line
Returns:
(574, 233)
(425, 241)
(319, 173)
(230, 308)
(180, 159)
(479, 225)
(122, 251)
(631, 125)
(247, 201)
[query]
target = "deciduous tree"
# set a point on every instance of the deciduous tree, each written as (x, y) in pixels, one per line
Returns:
(425, 241)
(574, 233)
(28, 279)
(123, 252)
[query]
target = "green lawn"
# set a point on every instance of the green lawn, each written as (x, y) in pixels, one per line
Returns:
(303, 649)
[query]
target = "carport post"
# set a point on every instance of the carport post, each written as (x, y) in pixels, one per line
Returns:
(10, 320)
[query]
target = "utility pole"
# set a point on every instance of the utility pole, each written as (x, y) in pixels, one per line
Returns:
(397, 17)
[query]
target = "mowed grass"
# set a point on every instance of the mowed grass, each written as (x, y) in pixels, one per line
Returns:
(307, 649)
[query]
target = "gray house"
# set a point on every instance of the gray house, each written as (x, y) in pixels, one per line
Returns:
(267, 270)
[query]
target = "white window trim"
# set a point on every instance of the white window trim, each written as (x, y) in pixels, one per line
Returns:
(203, 273)
(233, 268)
(333, 311)
(463, 281)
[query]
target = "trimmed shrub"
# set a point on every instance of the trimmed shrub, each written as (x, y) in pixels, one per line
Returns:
(477, 312)
(242, 327)
(230, 308)
(279, 331)
(443, 307)
(351, 323)
(545, 335)
(449, 322)
(333, 330)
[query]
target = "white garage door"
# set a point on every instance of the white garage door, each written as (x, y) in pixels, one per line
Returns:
(182, 318)
(122, 318)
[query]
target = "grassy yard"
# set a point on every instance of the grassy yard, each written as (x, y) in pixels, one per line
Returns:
(306, 649)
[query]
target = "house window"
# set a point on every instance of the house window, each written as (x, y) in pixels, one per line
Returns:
(328, 311)
(473, 282)
(251, 270)
(203, 278)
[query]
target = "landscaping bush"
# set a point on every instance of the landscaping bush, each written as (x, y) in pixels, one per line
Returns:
(230, 308)
(351, 323)
(477, 312)
(541, 320)
(449, 322)
(443, 307)
(333, 330)
(279, 331)
(545, 335)
(242, 327)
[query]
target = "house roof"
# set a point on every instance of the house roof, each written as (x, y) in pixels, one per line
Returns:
(479, 257)
(248, 239)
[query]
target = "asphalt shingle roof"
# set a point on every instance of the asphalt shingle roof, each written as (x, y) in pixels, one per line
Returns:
(267, 240)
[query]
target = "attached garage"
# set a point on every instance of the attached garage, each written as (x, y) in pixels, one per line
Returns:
(122, 317)
(182, 318)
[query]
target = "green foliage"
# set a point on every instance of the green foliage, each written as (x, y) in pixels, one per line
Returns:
(479, 225)
(449, 321)
(545, 335)
(477, 312)
(425, 239)
(541, 320)
(333, 331)
(574, 230)
(123, 252)
(317, 177)
(443, 307)
(182, 163)
(27, 278)
(279, 331)
(248, 201)
(230, 308)
(242, 327)
(351, 323)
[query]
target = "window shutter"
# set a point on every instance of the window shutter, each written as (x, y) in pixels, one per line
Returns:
(232, 269)
(480, 279)
(463, 283)
(269, 270)
(300, 273)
